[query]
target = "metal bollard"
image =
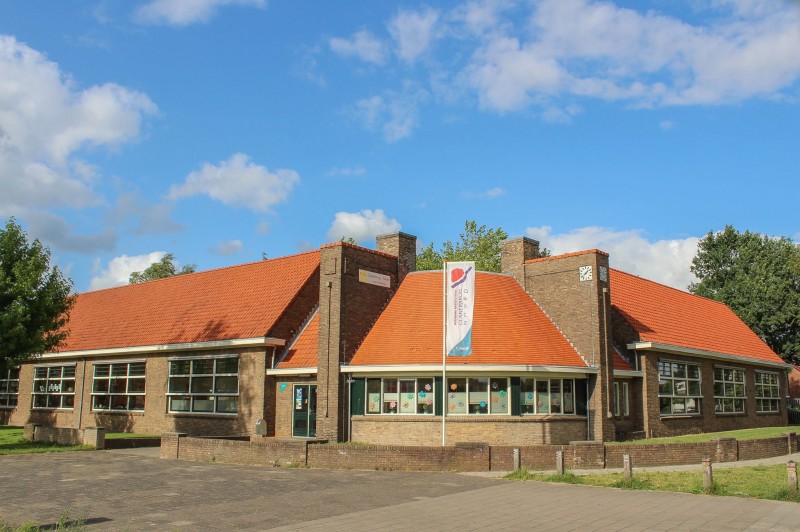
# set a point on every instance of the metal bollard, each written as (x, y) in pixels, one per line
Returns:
(560, 462)
(708, 477)
(626, 465)
(516, 460)
(791, 469)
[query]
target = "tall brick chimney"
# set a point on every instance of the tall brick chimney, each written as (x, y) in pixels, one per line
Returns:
(573, 290)
(513, 254)
(355, 285)
(404, 247)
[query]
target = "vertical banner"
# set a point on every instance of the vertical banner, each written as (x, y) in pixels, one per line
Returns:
(460, 301)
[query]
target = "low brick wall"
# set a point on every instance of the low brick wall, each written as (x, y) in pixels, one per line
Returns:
(132, 443)
(466, 456)
(91, 436)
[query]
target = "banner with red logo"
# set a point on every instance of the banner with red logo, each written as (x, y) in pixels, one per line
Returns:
(459, 304)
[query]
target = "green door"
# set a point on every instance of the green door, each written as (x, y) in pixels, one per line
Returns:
(304, 411)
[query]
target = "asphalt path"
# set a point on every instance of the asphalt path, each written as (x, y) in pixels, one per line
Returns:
(135, 490)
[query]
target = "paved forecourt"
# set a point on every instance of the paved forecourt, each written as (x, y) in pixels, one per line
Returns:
(135, 491)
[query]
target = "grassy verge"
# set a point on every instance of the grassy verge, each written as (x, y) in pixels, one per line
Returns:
(743, 434)
(11, 442)
(66, 522)
(759, 482)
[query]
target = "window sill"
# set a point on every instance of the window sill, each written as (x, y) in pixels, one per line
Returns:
(118, 412)
(196, 415)
(44, 409)
(681, 416)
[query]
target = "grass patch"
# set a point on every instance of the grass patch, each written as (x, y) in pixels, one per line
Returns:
(12, 442)
(66, 522)
(759, 482)
(742, 434)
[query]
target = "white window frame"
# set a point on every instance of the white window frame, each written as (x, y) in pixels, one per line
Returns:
(468, 399)
(726, 402)
(9, 388)
(130, 396)
(539, 410)
(192, 397)
(626, 411)
(54, 387)
(381, 401)
(772, 399)
(675, 398)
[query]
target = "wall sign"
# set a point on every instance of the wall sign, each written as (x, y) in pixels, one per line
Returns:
(378, 279)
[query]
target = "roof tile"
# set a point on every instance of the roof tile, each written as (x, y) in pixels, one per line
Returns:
(242, 301)
(508, 327)
(666, 315)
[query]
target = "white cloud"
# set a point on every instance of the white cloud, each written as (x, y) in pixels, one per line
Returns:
(362, 226)
(666, 125)
(186, 12)
(396, 114)
(663, 261)
(119, 269)
(240, 182)
(492, 193)
(361, 44)
(413, 32)
(46, 120)
(56, 231)
(149, 219)
(595, 49)
(228, 248)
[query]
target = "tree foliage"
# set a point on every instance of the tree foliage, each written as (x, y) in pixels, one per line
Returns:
(35, 298)
(161, 270)
(758, 277)
(479, 244)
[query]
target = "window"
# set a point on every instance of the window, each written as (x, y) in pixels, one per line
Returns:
(678, 388)
(729, 394)
(9, 388)
(54, 387)
(477, 395)
(767, 392)
(547, 396)
(625, 401)
(204, 385)
(400, 396)
(118, 386)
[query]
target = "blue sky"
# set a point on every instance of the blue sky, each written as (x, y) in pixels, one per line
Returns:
(223, 129)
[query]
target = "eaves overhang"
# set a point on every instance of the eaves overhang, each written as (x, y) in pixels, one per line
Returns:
(292, 371)
(486, 369)
(688, 351)
(165, 348)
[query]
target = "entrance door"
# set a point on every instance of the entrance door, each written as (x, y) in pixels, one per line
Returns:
(304, 411)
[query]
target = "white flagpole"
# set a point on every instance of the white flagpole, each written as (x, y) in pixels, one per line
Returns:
(444, 351)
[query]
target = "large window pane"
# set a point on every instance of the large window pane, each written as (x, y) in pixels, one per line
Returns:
(478, 395)
(498, 393)
(390, 396)
(203, 385)
(456, 396)
(54, 387)
(373, 396)
(425, 396)
(542, 396)
(407, 396)
(527, 400)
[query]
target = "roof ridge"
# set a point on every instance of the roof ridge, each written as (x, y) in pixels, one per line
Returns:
(684, 292)
(229, 267)
(356, 246)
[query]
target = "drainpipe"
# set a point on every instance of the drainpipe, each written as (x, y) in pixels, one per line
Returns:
(83, 384)
(588, 411)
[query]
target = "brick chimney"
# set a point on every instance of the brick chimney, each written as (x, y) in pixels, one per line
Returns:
(404, 247)
(513, 254)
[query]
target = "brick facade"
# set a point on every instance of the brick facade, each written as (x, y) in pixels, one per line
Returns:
(494, 430)
(348, 307)
(155, 418)
(466, 456)
(655, 424)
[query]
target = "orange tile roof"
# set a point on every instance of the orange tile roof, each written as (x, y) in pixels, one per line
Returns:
(508, 327)
(303, 352)
(666, 315)
(620, 364)
(243, 301)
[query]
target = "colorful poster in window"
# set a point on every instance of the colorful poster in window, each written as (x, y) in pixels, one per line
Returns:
(374, 403)
(298, 398)
(460, 298)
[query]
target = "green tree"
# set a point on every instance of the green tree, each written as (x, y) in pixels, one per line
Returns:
(160, 270)
(479, 244)
(35, 298)
(758, 277)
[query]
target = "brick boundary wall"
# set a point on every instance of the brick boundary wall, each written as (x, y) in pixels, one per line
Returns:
(91, 436)
(465, 456)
